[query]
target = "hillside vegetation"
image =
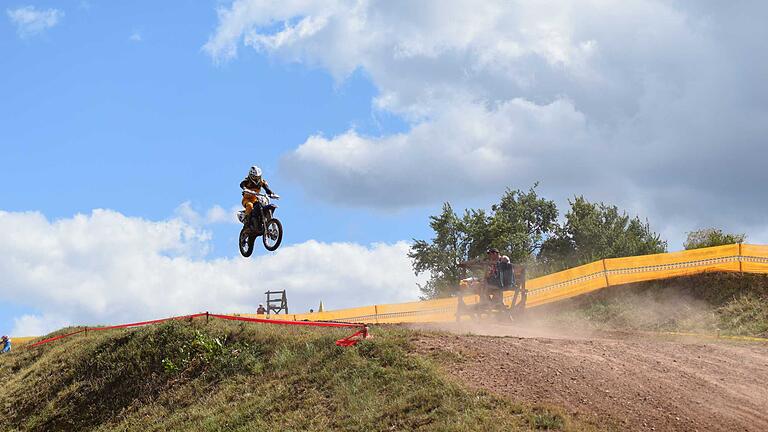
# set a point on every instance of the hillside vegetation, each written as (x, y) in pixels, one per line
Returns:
(725, 303)
(231, 376)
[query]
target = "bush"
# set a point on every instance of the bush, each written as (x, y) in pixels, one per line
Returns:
(711, 237)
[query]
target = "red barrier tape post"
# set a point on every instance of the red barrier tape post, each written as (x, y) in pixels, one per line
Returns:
(362, 333)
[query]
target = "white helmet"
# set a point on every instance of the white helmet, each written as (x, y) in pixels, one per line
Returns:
(254, 173)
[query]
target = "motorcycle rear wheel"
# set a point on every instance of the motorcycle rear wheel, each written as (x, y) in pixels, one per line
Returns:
(273, 235)
(246, 242)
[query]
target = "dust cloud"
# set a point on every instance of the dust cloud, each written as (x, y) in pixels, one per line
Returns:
(670, 309)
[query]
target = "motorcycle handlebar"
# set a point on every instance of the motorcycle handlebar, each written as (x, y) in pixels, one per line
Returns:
(250, 192)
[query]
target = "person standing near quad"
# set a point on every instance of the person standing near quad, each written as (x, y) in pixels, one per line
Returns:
(498, 277)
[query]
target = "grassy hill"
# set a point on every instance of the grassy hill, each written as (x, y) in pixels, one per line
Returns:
(225, 376)
(230, 376)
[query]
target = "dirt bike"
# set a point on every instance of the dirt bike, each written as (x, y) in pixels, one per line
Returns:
(260, 223)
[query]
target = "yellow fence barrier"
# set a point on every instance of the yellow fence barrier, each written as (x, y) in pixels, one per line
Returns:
(21, 340)
(561, 285)
(567, 283)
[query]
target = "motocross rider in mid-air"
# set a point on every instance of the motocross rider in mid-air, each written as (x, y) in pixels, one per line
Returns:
(254, 182)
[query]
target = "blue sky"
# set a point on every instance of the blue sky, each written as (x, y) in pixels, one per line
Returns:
(118, 107)
(94, 119)
(365, 117)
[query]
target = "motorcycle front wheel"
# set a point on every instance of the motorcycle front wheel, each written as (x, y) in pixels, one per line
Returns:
(246, 242)
(273, 235)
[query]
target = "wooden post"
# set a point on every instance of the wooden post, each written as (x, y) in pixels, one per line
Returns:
(605, 274)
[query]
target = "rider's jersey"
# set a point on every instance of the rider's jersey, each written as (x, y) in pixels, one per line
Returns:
(248, 183)
(6, 345)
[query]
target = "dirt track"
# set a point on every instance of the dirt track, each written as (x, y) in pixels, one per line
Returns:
(631, 382)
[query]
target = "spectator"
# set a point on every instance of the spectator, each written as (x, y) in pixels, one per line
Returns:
(506, 273)
(261, 310)
(6, 344)
(499, 276)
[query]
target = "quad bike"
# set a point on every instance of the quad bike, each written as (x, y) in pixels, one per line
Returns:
(260, 223)
(490, 304)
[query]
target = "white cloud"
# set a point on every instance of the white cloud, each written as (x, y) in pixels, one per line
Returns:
(37, 325)
(656, 106)
(217, 214)
(30, 21)
(466, 148)
(109, 268)
(135, 37)
(213, 215)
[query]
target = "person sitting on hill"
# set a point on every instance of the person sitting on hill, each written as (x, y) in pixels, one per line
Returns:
(6, 344)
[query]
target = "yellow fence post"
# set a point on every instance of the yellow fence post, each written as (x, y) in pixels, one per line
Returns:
(741, 260)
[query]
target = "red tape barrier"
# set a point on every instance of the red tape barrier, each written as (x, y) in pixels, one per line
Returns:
(347, 341)
(51, 339)
(142, 323)
(350, 340)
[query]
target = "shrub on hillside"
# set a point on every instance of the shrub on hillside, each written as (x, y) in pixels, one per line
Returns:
(709, 237)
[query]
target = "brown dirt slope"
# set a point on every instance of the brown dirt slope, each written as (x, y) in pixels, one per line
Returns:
(624, 381)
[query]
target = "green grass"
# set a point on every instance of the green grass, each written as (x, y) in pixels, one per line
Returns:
(729, 303)
(745, 316)
(226, 376)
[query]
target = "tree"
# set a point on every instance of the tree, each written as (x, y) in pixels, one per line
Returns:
(520, 223)
(594, 231)
(517, 226)
(524, 226)
(441, 256)
(711, 237)
(478, 234)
